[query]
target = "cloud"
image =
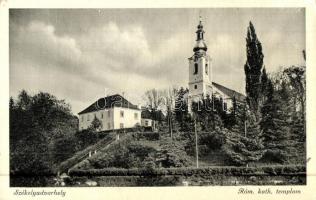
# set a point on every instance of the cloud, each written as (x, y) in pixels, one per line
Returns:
(38, 43)
(228, 54)
(130, 57)
(113, 57)
(38, 39)
(126, 49)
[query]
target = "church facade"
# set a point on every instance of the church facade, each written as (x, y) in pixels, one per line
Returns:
(201, 84)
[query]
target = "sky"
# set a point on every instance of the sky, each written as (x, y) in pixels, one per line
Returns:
(81, 55)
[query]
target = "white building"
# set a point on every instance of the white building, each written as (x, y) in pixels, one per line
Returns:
(147, 121)
(114, 112)
(200, 76)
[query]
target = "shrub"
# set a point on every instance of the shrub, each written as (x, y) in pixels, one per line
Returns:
(172, 154)
(124, 154)
(273, 156)
(214, 140)
(151, 136)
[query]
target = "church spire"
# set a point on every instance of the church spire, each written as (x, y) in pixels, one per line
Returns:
(200, 43)
(200, 31)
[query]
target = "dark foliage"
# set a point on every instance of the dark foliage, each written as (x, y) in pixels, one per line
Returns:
(172, 154)
(274, 126)
(82, 154)
(151, 136)
(253, 71)
(36, 124)
(213, 140)
(124, 154)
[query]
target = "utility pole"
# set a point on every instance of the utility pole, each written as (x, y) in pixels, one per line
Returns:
(171, 131)
(196, 144)
(245, 128)
(245, 118)
(170, 122)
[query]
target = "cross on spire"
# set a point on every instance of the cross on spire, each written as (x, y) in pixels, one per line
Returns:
(200, 16)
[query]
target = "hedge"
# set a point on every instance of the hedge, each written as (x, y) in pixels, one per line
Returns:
(205, 171)
(128, 181)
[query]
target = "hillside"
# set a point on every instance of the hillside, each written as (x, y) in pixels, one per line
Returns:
(141, 150)
(85, 153)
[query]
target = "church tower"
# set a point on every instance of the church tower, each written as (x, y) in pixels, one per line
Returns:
(200, 83)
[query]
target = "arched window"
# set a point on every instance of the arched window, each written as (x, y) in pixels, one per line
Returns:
(196, 68)
(206, 69)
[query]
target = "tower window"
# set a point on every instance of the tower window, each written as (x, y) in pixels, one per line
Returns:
(195, 86)
(206, 69)
(196, 68)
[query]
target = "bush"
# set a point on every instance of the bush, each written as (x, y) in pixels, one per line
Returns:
(87, 137)
(214, 140)
(273, 157)
(124, 154)
(151, 136)
(172, 154)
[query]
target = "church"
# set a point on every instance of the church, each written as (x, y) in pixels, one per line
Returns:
(116, 112)
(200, 76)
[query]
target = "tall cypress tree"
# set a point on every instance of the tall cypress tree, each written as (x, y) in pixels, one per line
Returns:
(264, 85)
(253, 70)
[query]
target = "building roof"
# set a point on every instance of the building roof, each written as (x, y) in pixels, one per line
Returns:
(229, 92)
(146, 114)
(154, 115)
(109, 102)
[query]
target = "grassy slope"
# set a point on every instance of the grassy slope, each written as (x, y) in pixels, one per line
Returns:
(78, 156)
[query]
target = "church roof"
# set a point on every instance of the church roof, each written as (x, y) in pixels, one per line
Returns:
(109, 102)
(229, 92)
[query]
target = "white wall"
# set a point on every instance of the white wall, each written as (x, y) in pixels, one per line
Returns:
(149, 122)
(128, 120)
(106, 119)
(202, 79)
(111, 118)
